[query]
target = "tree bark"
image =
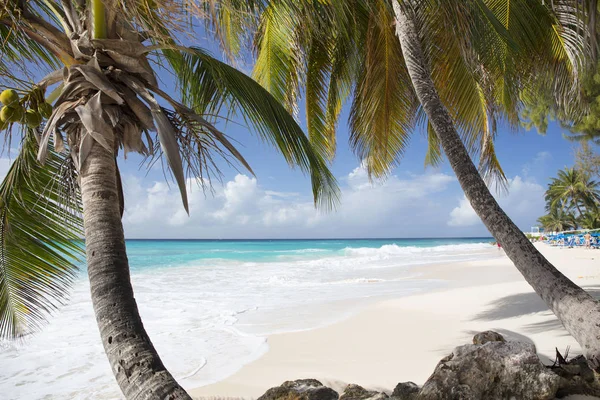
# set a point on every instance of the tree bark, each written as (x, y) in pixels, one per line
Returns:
(574, 307)
(135, 363)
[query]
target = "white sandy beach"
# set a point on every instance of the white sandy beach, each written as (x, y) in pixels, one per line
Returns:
(403, 339)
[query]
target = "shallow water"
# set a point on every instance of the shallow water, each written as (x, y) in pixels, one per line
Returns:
(209, 305)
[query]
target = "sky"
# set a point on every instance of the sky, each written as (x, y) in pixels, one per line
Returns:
(413, 202)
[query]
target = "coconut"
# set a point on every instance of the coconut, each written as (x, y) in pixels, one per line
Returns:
(45, 109)
(9, 97)
(11, 114)
(33, 119)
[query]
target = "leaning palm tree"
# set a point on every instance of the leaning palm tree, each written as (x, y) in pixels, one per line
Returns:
(573, 189)
(103, 58)
(456, 67)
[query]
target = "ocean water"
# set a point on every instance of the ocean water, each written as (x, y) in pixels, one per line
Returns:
(209, 305)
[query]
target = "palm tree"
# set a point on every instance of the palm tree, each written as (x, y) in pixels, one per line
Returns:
(568, 301)
(107, 100)
(590, 220)
(457, 67)
(558, 219)
(573, 189)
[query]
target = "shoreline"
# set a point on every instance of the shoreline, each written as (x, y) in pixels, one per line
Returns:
(402, 339)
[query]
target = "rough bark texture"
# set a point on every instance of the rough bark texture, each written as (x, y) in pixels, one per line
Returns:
(139, 371)
(575, 308)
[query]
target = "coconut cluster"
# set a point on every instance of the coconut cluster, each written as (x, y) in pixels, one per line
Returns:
(14, 111)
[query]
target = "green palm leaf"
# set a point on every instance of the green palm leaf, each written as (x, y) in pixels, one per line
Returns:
(318, 71)
(39, 241)
(203, 78)
(384, 109)
(277, 65)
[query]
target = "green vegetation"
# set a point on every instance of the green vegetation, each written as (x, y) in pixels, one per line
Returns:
(572, 201)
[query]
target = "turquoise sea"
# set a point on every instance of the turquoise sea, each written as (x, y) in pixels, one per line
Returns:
(168, 253)
(209, 305)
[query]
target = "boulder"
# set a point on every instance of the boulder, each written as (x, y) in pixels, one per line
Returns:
(493, 371)
(405, 391)
(488, 336)
(301, 389)
(356, 392)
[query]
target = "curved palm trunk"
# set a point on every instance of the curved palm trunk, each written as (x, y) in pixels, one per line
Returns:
(578, 209)
(139, 371)
(576, 309)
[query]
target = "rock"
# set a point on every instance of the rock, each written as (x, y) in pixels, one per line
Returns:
(488, 336)
(493, 371)
(576, 377)
(355, 392)
(405, 391)
(301, 389)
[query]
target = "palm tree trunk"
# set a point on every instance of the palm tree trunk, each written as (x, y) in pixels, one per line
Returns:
(139, 371)
(578, 209)
(575, 308)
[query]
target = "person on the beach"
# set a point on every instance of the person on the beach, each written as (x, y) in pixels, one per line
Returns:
(587, 237)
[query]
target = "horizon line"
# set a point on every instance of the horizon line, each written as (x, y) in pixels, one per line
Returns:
(335, 238)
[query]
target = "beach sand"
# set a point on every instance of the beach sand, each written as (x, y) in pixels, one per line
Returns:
(403, 339)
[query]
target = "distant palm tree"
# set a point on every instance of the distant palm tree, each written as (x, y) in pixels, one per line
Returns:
(590, 220)
(107, 100)
(558, 220)
(573, 189)
(455, 67)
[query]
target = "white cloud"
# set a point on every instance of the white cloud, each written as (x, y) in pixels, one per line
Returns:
(243, 208)
(463, 215)
(523, 204)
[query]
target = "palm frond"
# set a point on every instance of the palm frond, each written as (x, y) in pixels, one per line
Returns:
(17, 51)
(434, 155)
(231, 22)
(318, 72)
(39, 240)
(279, 62)
(384, 107)
(260, 109)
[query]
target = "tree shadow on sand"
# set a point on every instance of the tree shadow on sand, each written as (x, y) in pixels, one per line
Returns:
(521, 304)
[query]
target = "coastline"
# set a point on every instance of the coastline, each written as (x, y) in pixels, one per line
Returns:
(403, 339)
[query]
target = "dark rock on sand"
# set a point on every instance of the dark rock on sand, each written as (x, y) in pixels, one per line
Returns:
(405, 391)
(493, 371)
(488, 336)
(356, 392)
(301, 389)
(576, 377)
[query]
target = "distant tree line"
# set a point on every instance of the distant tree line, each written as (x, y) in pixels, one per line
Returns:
(573, 196)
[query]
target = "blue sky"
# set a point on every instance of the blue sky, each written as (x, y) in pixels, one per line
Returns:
(413, 202)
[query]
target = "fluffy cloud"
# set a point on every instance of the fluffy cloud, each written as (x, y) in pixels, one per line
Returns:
(243, 208)
(523, 203)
